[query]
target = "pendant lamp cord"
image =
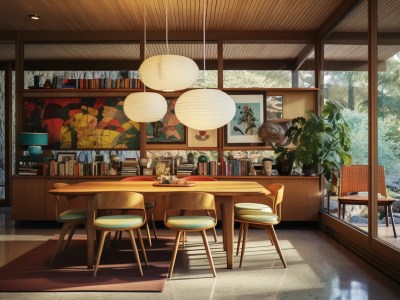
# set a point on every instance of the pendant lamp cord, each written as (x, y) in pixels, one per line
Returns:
(204, 43)
(145, 37)
(166, 26)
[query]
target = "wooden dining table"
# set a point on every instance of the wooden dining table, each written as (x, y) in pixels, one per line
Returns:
(225, 193)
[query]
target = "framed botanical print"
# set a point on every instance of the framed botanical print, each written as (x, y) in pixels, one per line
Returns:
(249, 115)
(202, 138)
(167, 130)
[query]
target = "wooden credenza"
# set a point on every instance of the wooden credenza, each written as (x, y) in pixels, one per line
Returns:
(32, 202)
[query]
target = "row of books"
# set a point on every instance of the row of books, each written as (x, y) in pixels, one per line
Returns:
(209, 168)
(97, 83)
(236, 167)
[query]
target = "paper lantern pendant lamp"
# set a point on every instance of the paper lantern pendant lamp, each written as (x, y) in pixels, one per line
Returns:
(145, 107)
(168, 72)
(205, 109)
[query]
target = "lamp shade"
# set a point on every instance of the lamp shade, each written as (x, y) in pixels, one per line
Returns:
(205, 109)
(168, 72)
(145, 107)
(34, 140)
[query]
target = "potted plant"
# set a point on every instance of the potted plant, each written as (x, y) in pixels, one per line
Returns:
(321, 141)
(284, 160)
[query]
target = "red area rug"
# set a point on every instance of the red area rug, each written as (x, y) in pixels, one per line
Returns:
(117, 271)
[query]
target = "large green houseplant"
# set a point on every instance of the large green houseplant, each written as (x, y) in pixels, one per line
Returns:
(321, 140)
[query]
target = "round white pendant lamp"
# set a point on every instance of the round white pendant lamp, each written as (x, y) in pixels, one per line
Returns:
(168, 72)
(145, 107)
(205, 109)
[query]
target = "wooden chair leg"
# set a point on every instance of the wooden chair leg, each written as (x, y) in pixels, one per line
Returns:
(245, 229)
(174, 253)
(214, 230)
(139, 234)
(239, 238)
(391, 216)
(270, 238)
(387, 215)
(100, 251)
(148, 233)
(271, 230)
(135, 250)
(70, 234)
(60, 242)
(153, 224)
(207, 247)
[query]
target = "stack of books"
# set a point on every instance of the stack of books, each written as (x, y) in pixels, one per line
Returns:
(129, 167)
(185, 169)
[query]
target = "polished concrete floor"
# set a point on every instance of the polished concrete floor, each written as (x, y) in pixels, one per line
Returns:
(318, 268)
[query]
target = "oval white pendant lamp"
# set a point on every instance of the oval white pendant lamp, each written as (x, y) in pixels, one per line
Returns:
(168, 72)
(204, 109)
(144, 106)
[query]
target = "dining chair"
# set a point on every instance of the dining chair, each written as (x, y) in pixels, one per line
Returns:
(354, 183)
(70, 218)
(196, 202)
(273, 188)
(265, 219)
(123, 222)
(202, 178)
(149, 207)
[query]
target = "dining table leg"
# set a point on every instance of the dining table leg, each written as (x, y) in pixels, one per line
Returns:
(229, 230)
(90, 232)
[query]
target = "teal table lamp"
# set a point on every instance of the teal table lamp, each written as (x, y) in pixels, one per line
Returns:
(34, 140)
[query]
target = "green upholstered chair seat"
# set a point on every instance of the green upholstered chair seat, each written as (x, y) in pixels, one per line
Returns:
(190, 222)
(256, 217)
(252, 206)
(72, 215)
(149, 204)
(118, 221)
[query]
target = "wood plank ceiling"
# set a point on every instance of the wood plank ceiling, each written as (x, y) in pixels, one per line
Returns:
(252, 30)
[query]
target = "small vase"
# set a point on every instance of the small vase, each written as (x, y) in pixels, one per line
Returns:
(47, 84)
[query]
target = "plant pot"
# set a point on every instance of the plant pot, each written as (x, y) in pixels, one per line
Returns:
(310, 170)
(284, 165)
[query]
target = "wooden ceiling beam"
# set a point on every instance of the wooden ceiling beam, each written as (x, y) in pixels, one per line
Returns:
(289, 37)
(339, 14)
(361, 38)
(302, 57)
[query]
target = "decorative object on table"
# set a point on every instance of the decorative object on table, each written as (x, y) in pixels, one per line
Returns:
(91, 122)
(47, 84)
(321, 140)
(145, 106)
(267, 166)
(243, 129)
(274, 107)
(168, 72)
(167, 130)
(202, 138)
(197, 105)
(34, 141)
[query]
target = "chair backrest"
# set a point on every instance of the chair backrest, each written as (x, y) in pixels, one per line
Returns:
(354, 179)
(277, 190)
(138, 178)
(59, 185)
(190, 201)
(198, 178)
(119, 200)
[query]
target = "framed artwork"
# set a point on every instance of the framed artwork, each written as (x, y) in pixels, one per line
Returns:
(167, 130)
(81, 123)
(162, 165)
(249, 115)
(274, 107)
(66, 156)
(202, 138)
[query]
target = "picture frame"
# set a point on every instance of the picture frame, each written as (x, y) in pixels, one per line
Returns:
(66, 156)
(161, 166)
(168, 130)
(249, 115)
(274, 107)
(99, 157)
(202, 138)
